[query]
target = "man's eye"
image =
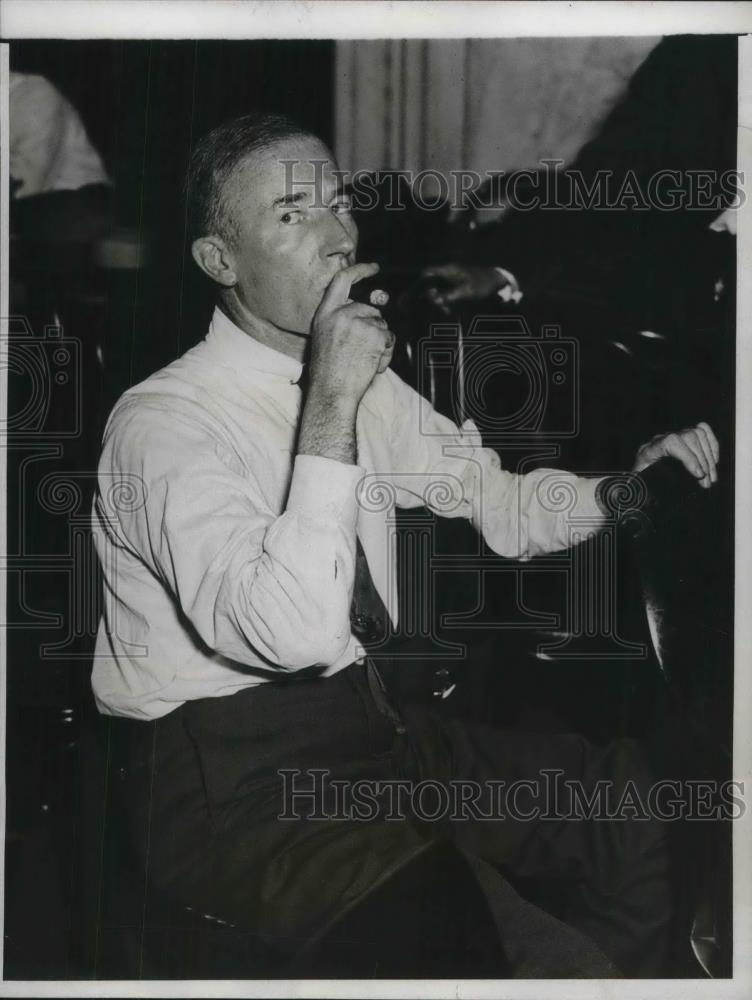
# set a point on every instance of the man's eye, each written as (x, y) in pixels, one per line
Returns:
(342, 206)
(290, 218)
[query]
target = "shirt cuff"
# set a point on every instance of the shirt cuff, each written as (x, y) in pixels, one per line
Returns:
(324, 486)
(590, 502)
(511, 292)
(618, 494)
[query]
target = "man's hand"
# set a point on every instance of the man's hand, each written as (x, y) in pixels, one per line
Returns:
(450, 283)
(696, 448)
(350, 342)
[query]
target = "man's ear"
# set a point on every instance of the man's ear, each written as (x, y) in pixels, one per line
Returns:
(215, 259)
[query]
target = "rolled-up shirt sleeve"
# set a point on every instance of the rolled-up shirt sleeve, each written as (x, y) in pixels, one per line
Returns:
(252, 581)
(446, 468)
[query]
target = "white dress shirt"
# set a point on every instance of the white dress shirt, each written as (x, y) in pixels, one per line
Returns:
(228, 560)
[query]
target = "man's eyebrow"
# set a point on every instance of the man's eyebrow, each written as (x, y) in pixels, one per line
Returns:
(289, 199)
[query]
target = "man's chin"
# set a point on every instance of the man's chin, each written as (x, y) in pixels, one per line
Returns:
(297, 325)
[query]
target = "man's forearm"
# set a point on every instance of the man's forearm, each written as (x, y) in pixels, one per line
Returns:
(350, 343)
(327, 427)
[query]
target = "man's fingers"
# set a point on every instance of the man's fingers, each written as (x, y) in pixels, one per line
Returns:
(698, 442)
(359, 310)
(696, 448)
(704, 444)
(677, 447)
(712, 440)
(692, 440)
(368, 314)
(338, 291)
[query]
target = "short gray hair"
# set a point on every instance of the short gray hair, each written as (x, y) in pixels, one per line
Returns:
(215, 157)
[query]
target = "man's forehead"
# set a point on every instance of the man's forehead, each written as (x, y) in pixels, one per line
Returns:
(291, 169)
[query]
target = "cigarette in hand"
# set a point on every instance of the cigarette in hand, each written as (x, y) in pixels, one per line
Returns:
(379, 297)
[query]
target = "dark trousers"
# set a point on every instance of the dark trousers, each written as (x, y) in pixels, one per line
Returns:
(221, 819)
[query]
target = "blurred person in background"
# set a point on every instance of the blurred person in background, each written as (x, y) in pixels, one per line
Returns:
(644, 274)
(60, 188)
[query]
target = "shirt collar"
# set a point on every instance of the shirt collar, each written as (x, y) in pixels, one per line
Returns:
(244, 353)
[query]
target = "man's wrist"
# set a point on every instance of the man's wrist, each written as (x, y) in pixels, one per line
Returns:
(332, 398)
(327, 429)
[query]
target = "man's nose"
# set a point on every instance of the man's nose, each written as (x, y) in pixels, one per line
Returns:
(340, 237)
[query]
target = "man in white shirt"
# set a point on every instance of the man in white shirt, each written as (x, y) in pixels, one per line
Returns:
(235, 511)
